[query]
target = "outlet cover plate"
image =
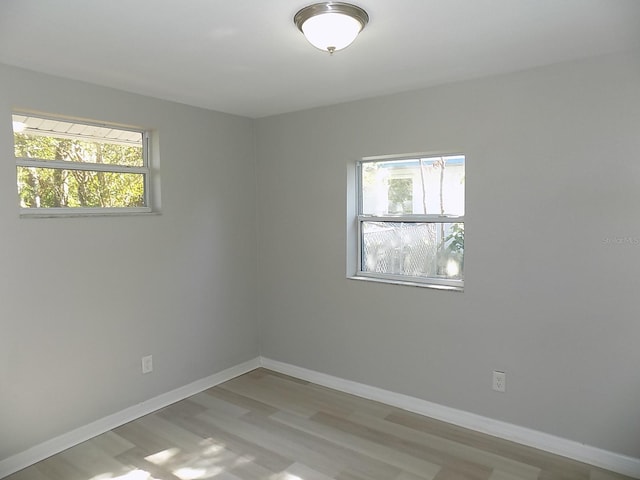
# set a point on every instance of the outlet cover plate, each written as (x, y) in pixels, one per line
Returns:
(499, 381)
(147, 364)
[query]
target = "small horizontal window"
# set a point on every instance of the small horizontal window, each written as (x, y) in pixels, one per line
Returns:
(411, 220)
(67, 167)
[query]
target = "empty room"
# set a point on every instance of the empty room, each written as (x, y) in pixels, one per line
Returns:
(287, 240)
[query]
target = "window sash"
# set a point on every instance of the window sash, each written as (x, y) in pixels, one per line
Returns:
(453, 284)
(84, 166)
(360, 187)
(414, 218)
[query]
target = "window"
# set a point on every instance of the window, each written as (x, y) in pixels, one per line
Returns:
(411, 220)
(70, 167)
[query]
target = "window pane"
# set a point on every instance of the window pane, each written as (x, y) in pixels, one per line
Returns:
(423, 186)
(52, 187)
(426, 250)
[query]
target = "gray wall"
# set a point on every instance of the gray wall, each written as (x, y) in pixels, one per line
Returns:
(553, 245)
(83, 299)
(552, 253)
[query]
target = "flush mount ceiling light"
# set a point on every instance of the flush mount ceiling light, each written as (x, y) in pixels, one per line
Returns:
(331, 26)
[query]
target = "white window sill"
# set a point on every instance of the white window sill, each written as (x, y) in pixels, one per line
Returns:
(449, 288)
(85, 213)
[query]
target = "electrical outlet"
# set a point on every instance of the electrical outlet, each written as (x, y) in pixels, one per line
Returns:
(147, 364)
(499, 381)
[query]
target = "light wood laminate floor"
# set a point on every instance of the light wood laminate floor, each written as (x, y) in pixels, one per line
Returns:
(268, 426)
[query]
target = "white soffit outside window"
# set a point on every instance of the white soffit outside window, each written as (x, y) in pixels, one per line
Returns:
(43, 126)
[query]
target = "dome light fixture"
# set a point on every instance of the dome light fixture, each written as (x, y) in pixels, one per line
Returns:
(331, 26)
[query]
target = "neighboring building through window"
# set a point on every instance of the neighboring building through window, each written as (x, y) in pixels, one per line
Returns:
(400, 195)
(67, 166)
(411, 220)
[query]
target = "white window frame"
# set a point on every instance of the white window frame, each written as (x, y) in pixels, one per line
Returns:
(360, 274)
(144, 170)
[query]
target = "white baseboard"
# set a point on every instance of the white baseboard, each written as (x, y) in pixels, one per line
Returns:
(615, 462)
(58, 444)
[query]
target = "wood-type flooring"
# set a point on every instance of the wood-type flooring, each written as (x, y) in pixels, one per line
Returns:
(267, 426)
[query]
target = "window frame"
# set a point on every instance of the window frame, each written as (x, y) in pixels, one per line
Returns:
(143, 170)
(360, 218)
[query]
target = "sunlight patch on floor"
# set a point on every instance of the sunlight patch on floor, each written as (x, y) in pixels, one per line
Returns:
(188, 473)
(285, 476)
(132, 475)
(163, 456)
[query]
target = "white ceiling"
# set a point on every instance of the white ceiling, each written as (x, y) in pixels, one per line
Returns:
(246, 56)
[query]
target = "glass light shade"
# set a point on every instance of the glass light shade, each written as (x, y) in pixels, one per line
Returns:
(331, 26)
(331, 31)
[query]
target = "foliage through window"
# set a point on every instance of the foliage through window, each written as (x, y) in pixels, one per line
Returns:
(76, 167)
(411, 220)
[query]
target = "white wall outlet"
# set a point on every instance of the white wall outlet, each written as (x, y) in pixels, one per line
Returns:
(499, 381)
(147, 364)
